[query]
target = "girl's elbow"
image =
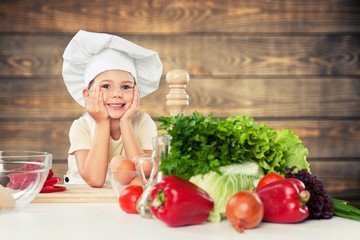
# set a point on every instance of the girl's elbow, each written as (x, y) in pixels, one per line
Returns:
(95, 182)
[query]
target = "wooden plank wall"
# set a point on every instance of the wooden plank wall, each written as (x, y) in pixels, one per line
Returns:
(291, 64)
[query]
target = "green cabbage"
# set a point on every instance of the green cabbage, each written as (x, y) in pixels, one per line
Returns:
(221, 187)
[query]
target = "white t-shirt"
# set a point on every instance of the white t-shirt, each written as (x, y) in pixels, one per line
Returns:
(81, 136)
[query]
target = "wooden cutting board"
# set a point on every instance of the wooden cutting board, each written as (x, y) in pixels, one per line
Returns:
(79, 193)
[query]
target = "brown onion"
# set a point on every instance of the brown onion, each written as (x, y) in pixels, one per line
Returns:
(244, 210)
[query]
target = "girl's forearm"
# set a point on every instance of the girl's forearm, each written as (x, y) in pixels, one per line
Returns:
(95, 166)
(132, 146)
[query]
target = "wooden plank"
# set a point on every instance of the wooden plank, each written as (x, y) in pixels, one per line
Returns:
(28, 56)
(264, 98)
(341, 178)
(37, 98)
(79, 194)
(312, 97)
(323, 138)
(187, 16)
(215, 56)
(39, 135)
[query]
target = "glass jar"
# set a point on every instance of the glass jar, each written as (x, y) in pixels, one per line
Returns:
(161, 149)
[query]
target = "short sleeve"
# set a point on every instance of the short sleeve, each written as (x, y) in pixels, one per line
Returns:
(79, 136)
(147, 130)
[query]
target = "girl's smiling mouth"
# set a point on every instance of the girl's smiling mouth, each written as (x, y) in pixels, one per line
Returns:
(116, 105)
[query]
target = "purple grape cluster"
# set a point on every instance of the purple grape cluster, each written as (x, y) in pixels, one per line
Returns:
(320, 205)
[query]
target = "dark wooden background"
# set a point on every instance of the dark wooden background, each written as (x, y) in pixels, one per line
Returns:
(291, 64)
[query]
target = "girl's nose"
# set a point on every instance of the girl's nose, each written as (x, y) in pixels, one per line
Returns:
(118, 94)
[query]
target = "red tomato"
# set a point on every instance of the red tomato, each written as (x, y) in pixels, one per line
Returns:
(269, 178)
(129, 197)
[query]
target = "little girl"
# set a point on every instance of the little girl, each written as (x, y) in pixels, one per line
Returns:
(108, 75)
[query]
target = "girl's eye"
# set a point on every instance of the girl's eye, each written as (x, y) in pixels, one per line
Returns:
(126, 87)
(106, 86)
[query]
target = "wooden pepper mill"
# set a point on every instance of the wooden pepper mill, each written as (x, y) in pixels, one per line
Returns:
(177, 99)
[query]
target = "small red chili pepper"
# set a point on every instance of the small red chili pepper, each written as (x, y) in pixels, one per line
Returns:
(51, 181)
(52, 188)
(178, 202)
(50, 174)
(284, 201)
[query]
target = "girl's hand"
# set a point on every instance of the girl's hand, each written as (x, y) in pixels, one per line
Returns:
(94, 104)
(135, 106)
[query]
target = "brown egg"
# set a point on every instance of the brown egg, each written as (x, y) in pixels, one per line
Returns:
(124, 170)
(136, 181)
(115, 162)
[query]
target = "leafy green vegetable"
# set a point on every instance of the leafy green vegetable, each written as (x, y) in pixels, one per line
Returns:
(221, 187)
(344, 209)
(201, 144)
(295, 152)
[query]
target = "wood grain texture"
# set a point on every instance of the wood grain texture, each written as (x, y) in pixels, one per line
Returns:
(79, 194)
(36, 98)
(341, 178)
(217, 56)
(174, 17)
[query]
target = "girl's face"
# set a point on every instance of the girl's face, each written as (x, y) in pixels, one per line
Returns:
(117, 88)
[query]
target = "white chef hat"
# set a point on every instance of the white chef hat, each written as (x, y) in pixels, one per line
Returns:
(89, 54)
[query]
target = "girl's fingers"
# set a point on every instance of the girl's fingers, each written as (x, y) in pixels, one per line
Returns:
(99, 99)
(95, 104)
(96, 99)
(133, 109)
(136, 100)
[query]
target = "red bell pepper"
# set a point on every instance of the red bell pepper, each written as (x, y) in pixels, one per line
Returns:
(178, 202)
(284, 201)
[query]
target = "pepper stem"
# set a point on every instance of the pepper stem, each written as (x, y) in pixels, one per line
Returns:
(159, 199)
(304, 197)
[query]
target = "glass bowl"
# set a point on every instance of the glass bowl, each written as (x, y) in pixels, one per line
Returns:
(22, 175)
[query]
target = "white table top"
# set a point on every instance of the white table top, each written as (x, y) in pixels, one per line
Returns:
(106, 221)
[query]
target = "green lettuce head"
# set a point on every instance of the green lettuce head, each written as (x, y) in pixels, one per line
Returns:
(221, 187)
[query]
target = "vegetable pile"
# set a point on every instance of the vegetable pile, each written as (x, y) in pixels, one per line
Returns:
(201, 144)
(241, 170)
(226, 156)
